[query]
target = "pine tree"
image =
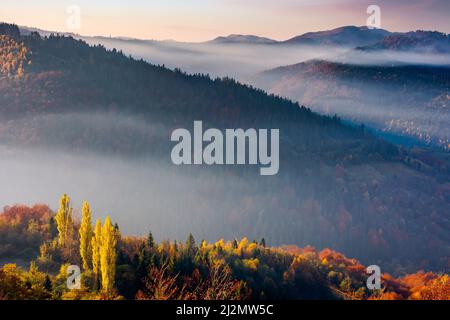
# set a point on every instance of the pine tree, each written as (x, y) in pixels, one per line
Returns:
(108, 255)
(117, 231)
(262, 243)
(52, 227)
(143, 264)
(191, 246)
(64, 221)
(86, 236)
(150, 241)
(96, 245)
(151, 246)
(48, 286)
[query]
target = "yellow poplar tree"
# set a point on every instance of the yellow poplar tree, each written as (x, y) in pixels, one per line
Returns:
(86, 236)
(108, 255)
(96, 243)
(64, 220)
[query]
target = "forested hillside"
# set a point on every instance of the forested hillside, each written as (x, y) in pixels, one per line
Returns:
(417, 41)
(116, 266)
(338, 185)
(405, 100)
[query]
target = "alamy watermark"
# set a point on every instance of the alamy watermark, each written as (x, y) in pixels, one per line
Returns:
(374, 19)
(73, 277)
(236, 151)
(374, 280)
(73, 21)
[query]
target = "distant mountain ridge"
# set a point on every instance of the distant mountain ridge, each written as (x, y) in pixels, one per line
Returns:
(417, 41)
(362, 38)
(343, 36)
(349, 36)
(238, 38)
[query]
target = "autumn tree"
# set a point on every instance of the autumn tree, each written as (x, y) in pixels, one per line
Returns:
(64, 220)
(438, 289)
(220, 285)
(86, 234)
(18, 284)
(108, 255)
(161, 285)
(96, 243)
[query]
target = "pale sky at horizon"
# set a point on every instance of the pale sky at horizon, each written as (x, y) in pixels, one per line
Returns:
(199, 20)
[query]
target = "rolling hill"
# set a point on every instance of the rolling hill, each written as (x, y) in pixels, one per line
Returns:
(416, 41)
(338, 186)
(404, 100)
(239, 38)
(348, 36)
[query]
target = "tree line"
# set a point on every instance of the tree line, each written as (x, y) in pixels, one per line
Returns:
(129, 267)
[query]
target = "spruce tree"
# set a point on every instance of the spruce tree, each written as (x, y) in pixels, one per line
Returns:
(48, 286)
(191, 246)
(263, 243)
(150, 241)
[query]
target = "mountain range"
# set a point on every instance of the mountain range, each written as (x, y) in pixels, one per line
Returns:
(65, 106)
(349, 36)
(243, 39)
(361, 38)
(418, 41)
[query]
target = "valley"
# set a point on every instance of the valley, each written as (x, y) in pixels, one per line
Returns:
(97, 123)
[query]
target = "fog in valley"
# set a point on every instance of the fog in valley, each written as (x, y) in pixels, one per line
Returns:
(122, 165)
(309, 204)
(335, 186)
(420, 114)
(383, 107)
(238, 61)
(243, 60)
(140, 193)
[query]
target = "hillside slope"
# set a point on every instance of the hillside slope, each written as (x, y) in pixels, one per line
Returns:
(417, 41)
(338, 186)
(408, 100)
(348, 36)
(221, 270)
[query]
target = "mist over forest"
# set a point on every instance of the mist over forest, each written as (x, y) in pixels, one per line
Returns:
(314, 167)
(405, 100)
(96, 124)
(244, 60)
(396, 112)
(235, 60)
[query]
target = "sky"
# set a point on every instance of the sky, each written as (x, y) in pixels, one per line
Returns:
(200, 20)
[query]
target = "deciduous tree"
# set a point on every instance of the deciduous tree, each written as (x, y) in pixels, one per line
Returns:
(108, 256)
(64, 221)
(96, 245)
(86, 234)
